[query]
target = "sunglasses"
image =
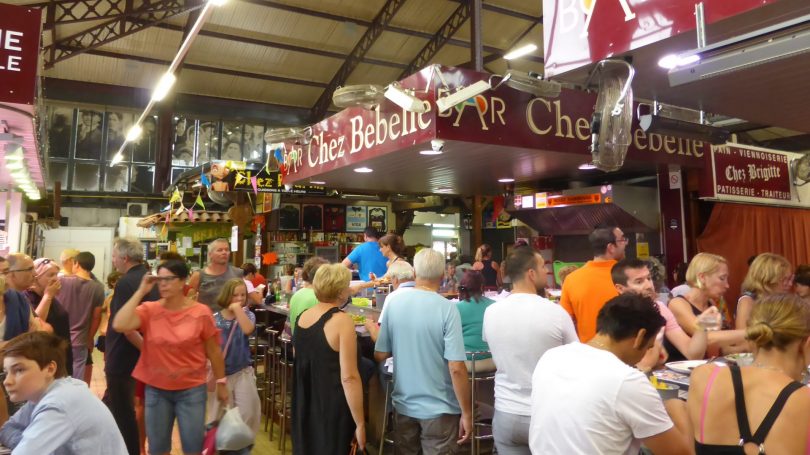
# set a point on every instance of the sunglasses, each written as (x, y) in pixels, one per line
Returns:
(29, 269)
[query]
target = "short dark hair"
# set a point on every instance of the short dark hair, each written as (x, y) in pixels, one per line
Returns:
(113, 278)
(617, 273)
(680, 272)
(310, 267)
(41, 347)
(86, 260)
(802, 275)
(248, 268)
(471, 286)
(171, 256)
(370, 231)
(624, 315)
(178, 268)
(519, 261)
(601, 237)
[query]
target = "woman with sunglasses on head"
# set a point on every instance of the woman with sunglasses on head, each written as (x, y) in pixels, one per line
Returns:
(178, 336)
(42, 297)
(768, 274)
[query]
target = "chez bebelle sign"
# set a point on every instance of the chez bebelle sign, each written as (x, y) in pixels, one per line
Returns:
(19, 53)
(502, 117)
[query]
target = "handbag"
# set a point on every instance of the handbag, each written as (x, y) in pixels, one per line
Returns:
(233, 432)
(210, 441)
(211, 381)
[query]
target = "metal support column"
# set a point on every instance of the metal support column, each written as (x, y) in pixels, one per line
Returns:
(476, 46)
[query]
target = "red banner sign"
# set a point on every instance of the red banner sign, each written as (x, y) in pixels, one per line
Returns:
(580, 32)
(19, 52)
(750, 174)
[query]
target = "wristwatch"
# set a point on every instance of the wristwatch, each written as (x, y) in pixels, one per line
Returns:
(222, 380)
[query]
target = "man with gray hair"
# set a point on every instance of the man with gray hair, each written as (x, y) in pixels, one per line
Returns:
(123, 349)
(209, 281)
(422, 330)
(402, 278)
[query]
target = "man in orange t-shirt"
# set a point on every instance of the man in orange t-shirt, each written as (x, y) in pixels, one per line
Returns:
(587, 289)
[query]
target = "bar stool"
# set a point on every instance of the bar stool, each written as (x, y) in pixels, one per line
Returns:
(286, 364)
(389, 389)
(271, 360)
(475, 378)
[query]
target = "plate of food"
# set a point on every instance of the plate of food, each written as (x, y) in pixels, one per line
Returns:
(742, 359)
(358, 320)
(685, 366)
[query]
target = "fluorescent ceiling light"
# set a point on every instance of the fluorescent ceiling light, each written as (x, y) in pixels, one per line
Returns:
(506, 180)
(116, 159)
(587, 166)
(34, 197)
(134, 133)
(673, 61)
(14, 152)
(217, 2)
(443, 225)
(462, 95)
(443, 189)
(444, 233)
(399, 96)
(364, 170)
(430, 152)
(317, 182)
(14, 164)
(520, 52)
(164, 85)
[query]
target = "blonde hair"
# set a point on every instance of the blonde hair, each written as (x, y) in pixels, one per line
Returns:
(705, 263)
(778, 320)
(330, 281)
(69, 253)
(2, 285)
(483, 251)
(765, 274)
(228, 289)
(565, 271)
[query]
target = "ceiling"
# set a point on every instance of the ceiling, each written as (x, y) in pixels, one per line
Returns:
(295, 52)
(772, 97)
(468, 168)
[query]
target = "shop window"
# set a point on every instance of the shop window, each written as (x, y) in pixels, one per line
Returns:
(176, 171)
(207, 141)
(86, 177)
(145, 149)
(253, 143)
(183, 142)
(89, 135)
(142, 179)
(232, 141)
(118, 123)
(58, 172)
(60, 132)
(116, 178)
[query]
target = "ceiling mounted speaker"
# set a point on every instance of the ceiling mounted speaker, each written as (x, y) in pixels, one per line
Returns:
(368, 96)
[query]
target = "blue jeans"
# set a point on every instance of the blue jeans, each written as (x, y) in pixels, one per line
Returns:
(162, 406)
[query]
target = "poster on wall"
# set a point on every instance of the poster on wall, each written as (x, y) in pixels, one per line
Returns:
(289, 217)
(312, 217)
(59, 131)
(334, 218)
(378, 219)
(88, 135)
(355, 218)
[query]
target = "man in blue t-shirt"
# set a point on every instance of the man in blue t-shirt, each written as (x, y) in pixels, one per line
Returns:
(367, 256)
(422, 330)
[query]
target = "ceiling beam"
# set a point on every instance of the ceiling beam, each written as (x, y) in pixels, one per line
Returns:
(283, 46)
(114, 29)
(389, 27)
(445, 32)
(207, 69)
(368, 39)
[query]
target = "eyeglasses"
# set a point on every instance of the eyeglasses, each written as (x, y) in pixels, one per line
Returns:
(621, 239)
(166, 279)
(29, 269)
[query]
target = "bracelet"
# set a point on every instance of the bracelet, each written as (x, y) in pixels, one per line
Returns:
(222, 380)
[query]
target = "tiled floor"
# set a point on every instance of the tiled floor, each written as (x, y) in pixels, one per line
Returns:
(263, 445)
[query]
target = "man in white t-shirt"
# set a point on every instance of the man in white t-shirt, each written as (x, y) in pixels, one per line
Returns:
(519, 330)
(588, 399)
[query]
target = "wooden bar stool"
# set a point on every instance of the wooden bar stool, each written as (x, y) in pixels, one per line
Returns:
(271, 360)
(285, 365)
(389, 389)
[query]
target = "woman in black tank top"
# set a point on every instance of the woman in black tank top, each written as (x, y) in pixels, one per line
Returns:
(487, 267)
(770, 407)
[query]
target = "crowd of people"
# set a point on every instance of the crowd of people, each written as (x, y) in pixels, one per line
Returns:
(569, 377)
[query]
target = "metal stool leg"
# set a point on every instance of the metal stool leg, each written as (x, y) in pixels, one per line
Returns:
(385, 417)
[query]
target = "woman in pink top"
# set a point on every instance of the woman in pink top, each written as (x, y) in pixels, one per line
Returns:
(179, 335)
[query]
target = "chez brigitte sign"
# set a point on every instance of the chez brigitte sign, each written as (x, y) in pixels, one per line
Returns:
(503, 117)
(748, 174)
(19, 52)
